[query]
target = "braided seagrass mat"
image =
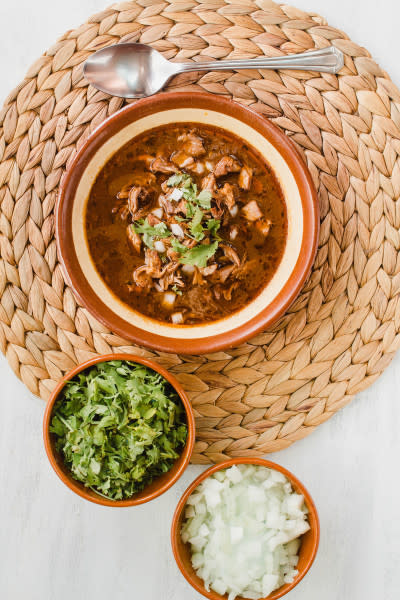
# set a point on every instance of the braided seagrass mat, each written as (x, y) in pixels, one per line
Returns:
(343, 329)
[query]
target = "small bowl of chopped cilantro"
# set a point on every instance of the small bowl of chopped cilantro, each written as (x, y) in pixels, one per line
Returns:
(119, 430)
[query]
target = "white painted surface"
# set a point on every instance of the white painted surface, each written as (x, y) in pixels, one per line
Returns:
(54, 545)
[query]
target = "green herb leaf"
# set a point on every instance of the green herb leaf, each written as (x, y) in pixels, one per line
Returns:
(149, 233)
(199, 255)
(204, 199)
(118, 425)
(196, 228)
(177, 179)
(177, 246)
(176, 290)
(213, 225)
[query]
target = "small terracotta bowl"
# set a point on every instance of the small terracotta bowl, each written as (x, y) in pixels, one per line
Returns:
(255, 131)
(159, 485)
(308, 548)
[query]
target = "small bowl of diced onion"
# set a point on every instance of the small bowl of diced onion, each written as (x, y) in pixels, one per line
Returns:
(245, 528)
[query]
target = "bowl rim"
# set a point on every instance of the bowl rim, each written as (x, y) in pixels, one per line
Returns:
(72, 483)
(261, 320)
(175, 534)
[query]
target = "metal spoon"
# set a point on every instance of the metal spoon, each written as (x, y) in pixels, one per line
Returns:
(137, 70)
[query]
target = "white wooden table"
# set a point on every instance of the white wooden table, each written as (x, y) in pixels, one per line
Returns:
(55, 545)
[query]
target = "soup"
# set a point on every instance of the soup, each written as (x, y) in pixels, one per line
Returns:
(186, 223)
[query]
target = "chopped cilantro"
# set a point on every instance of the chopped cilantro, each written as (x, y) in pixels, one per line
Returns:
(204, 199)
(199, 255)
(149, 233)
(177, 246)
(118, 425)
(177, 291)
(196, 228)
(213, 225)
(177, 179)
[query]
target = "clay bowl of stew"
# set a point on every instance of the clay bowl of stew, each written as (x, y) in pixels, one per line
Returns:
(158, 484)
(187, 223)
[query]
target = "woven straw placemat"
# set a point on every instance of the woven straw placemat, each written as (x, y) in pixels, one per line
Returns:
(343, 329)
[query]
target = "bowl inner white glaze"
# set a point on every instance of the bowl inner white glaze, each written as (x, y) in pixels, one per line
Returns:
(294, 214)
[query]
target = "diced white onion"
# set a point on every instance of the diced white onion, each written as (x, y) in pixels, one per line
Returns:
(243, 525)
(168, 299)
(177, 230)
(159, 246)
(158, 212)
(176, 194)
(177, 318)
(209, 165)
(188, 269)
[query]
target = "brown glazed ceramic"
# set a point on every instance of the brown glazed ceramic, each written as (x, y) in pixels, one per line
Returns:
(255, 130)
(308, 548)
(159, 485)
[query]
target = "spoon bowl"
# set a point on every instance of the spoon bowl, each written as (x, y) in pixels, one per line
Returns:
(129, 70)
(137, 70)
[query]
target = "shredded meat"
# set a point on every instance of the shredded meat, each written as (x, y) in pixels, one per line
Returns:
(193, 144)
(141, 277)
(231, 254)
(227, 196)
(226, 165)
(153, 220)
(133, 239)
(245, 177)
(162, 165)
(153, 262)
(138, 201)
(225, 272)
(208, 182)
(206, 271)
(182, 159)
(252, 211)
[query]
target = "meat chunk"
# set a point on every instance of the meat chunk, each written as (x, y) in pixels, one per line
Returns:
(252, 211)
(183, 160)
(263, 226)
(138, 201)
(163, 165)
(209, 270)
(225, 272)
(230, 254)
(153, 220)
(193, 144)
(209, 183)
(153, 263)
(141, 277)
(226, 165)
(134, 239)
(227, 196)
(245, 177)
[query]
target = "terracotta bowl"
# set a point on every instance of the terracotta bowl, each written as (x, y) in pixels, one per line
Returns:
(308, 548)
(256, 131)
(159, 485)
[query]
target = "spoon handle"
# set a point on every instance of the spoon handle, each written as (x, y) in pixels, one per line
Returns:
(326, 60)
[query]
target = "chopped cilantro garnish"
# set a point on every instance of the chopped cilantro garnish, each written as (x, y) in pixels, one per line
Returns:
(118, 425)
(196, 228)
(176, 290)
(177, 246)
(204, 199)
(177, 179)
(199, 255)
(213, 225)
(149, 233)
